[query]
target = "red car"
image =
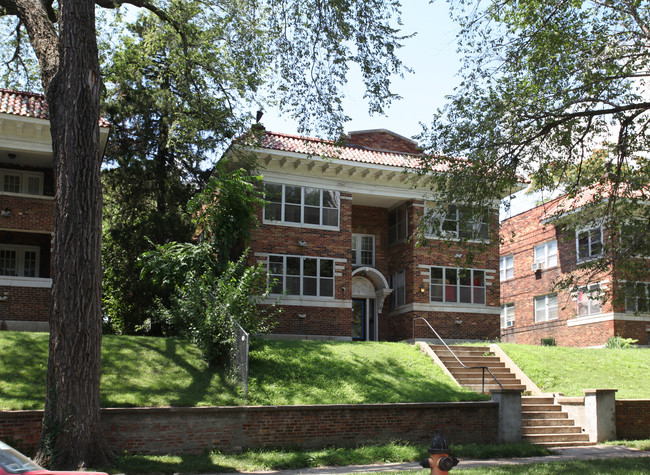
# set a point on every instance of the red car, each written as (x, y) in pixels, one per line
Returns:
(13, 462)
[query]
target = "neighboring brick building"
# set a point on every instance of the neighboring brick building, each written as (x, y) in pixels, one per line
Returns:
(26, 210)
(539, 247)
(338, 238)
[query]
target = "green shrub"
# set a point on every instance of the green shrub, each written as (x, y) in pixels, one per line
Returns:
(549, 341)
(618, 342)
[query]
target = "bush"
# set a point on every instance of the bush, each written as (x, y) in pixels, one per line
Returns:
(618, 342)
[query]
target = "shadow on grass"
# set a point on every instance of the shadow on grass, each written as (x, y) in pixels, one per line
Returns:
(23, 369)
(148, 464)
(147, 371)
(318, 373)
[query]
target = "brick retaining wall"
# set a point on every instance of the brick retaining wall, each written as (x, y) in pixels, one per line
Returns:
(192, 430)
(633, 419)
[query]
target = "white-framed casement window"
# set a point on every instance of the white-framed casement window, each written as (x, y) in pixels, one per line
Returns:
(589, 301)
(398, 284)
(457, 285)
(19, 261)
(363, 250)
(589, 243)
(545, 308)
(507, 315)
(456, 222)
(18, 181)
(507, 267)
(397, 224)
(637, 297)
(292, 204)
(545, 255)
(300, 275)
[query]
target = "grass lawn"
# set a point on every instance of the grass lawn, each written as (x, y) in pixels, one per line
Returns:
(146, 371)
(570, 370)
(254, 460)
(620, 466)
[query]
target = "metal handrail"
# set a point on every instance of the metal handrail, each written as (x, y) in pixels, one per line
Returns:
(483, 368)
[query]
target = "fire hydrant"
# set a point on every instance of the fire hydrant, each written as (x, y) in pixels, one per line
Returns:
(440, 462)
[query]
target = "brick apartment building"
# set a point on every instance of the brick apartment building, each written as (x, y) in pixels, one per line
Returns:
(540, 248)
(338, 240)
(26, 210)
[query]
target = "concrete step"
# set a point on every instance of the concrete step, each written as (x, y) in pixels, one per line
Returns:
(464, 381)
(537, 400)
(472, 363)
(541, 408)
(555, 438)
(544, 415)
(568, 429)
(488, 387)
(552, 445)
(457, 348)
(547, 422)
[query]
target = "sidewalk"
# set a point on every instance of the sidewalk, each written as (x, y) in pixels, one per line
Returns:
(561, 454)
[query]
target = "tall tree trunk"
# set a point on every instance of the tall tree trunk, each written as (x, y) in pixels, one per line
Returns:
(72, 434)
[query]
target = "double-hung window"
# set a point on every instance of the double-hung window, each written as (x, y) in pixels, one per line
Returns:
(589, 302)
(18, 181)
(456, 285)
(397, 224)
(363, 250)
(637, 297)
(456, 222)
(507, 267)
(589, 243)
(545, 308)
(301, 205)
(545, 255)
(299, 275)
(398, 283)
(507, 315)
(22, 261)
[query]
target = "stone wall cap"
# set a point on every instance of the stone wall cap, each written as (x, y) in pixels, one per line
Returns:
(590, 391)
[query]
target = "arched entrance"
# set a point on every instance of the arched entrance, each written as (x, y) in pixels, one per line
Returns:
(369, 290)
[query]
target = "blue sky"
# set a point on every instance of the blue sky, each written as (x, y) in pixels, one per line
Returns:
(431, 54)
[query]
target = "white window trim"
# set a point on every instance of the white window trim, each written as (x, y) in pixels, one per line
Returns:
(302, 276)
(507, 317)
(503, 267)
(302, 223)
(24, 179)
(436, 215)
(20, 259)
(472, 287)
(592, 298)
(588, 230)
(547, 317)
(356, 248)
(543, 262)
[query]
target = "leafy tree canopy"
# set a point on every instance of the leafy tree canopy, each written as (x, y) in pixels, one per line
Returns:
(554, 90)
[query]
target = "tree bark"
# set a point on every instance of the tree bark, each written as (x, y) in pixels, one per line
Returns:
(72, 435)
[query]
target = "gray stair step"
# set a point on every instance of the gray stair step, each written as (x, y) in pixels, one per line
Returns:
(553, 438)
(568, 429)
(541, 408)
(565, 444)
(547, 422)
(544, 415)
(537, 400)
(456, 348)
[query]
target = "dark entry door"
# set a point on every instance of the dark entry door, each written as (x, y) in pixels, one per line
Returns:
(359, 319)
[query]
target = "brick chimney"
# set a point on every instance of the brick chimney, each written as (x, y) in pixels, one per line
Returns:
(382, 139)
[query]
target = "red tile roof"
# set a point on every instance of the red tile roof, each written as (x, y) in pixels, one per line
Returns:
(592, 195)
(333, 150)
(29, 104)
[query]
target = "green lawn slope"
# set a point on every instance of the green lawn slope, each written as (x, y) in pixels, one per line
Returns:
(570, 370)
(145, 371)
